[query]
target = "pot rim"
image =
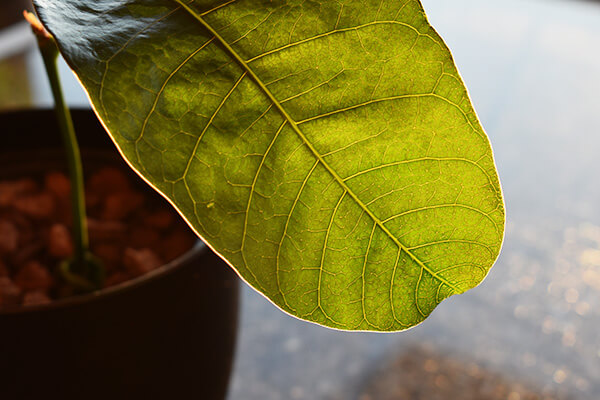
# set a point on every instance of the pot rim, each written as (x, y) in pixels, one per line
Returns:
(197, 250)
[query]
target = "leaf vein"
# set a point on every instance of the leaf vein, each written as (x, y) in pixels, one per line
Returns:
(324, 251)
(123, 47)
(252, 191)
(341, 30)
(166, 82)
(450, 241)
(455, 205)
(218, 7)
(392, 98)
(396, 163)
(287, 222)
(209, 123)
(363, 276)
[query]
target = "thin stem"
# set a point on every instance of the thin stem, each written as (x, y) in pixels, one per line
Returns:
(83, 271)
(80, 232)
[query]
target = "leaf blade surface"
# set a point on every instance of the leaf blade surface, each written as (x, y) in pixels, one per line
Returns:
(329, 152)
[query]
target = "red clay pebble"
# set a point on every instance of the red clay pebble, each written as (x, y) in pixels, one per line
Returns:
(34, 276)
(116, 278)
(118, 206)
(58, 184)
(9, 190)
(35, 297)
(9, 237)
(110, 254)
(175, 244)
(140, 237)
(10, 294)
(27, 251)
(108, 180)
(139, 262)
(4, 272)
(92, 200)
(106, 230)
(129, 232)
(36, 206)
(161, 219)
(60, 244)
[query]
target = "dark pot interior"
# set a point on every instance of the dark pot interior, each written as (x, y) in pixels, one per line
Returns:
(168, 335)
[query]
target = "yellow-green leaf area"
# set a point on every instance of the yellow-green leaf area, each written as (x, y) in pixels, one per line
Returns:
(327, 150)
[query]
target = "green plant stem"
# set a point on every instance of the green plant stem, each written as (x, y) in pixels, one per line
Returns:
(79, 231)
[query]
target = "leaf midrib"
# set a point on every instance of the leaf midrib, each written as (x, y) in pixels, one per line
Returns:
(295, 127)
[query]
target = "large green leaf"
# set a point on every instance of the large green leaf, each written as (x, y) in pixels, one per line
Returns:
(327, 150)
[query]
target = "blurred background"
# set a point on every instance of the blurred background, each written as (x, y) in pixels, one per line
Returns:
(532, 329)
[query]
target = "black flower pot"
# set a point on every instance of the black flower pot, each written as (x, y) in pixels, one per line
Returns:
(169, 334)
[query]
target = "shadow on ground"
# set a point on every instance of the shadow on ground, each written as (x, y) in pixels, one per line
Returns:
(423, 373)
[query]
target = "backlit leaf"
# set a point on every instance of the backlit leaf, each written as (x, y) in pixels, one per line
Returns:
(327, 150)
